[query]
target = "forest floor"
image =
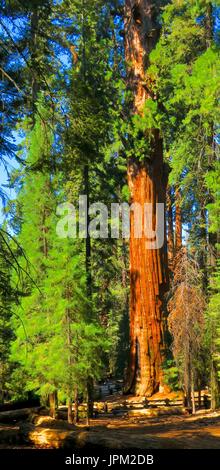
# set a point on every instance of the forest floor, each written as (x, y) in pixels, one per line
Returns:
(188, 432)
(119, 429)
(169, 432)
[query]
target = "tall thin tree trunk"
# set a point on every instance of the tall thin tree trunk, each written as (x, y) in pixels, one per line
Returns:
(188, 384)
(88, 238)
(199, 397)
(53, 404)
(34, 56)
(76, 406)
(203, 244)
(87, 193)
(209, 24)
(193, 394)
(70, 410)
(213, 386)
(178, 222)
(89, 401)
(170, 241)
(147, 184)
(70, 362)
(88, 283)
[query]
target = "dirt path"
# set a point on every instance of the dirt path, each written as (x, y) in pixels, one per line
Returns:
(199, 432)
(170, 432)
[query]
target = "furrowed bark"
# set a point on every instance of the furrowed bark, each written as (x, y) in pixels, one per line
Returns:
(147, 183)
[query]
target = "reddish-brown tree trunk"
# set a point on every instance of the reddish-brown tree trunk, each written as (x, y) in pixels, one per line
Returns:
(53, 404)
(148, 267)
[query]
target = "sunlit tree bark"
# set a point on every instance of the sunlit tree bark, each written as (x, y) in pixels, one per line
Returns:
(147, 183)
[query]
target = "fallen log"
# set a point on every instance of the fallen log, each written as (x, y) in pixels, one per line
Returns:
(15, 416)
(20, 405)
(154, 412)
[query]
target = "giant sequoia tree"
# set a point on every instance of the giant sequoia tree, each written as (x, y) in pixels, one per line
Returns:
(147, 184)
(103, 91)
